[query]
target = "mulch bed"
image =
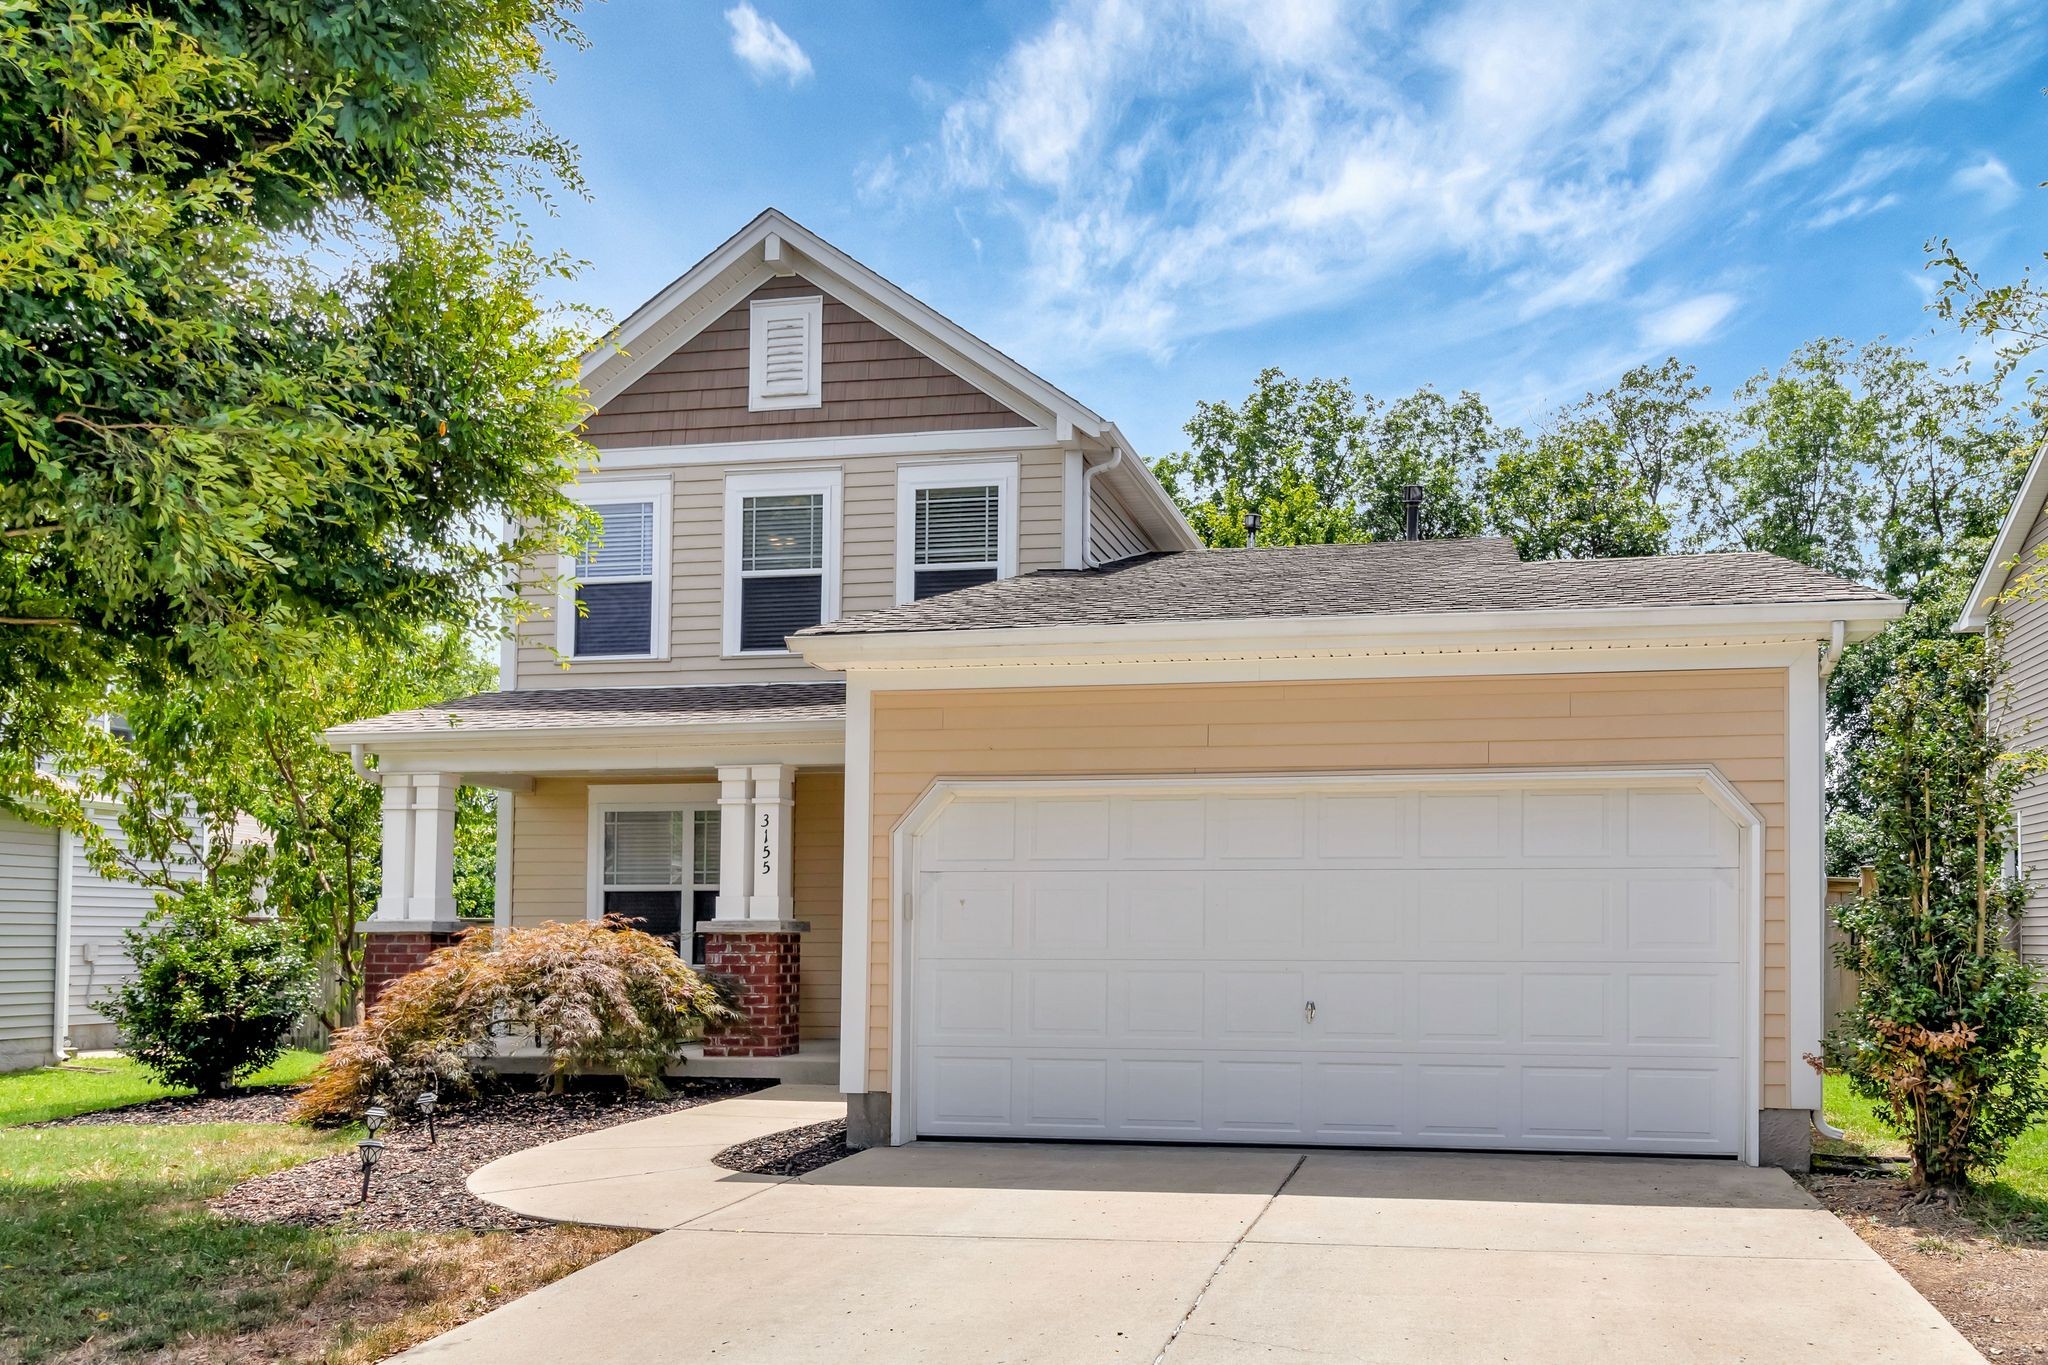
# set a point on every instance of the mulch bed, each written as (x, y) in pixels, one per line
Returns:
(261, 1104)
(1994, 1289)
(797, 1151)
(418, 1187)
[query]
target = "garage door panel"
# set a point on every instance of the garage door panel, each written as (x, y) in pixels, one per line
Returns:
(1556, 969)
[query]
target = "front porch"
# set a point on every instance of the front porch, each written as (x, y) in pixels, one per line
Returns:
(714, 825)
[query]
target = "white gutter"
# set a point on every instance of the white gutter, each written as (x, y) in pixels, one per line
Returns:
(60, 1014)
(1837, 642)
(1116, 457)
(363, 770)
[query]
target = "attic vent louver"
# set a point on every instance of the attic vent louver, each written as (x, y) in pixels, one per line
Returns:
(784, 353)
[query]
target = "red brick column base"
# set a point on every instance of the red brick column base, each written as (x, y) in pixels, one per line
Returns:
(762, 968)
(389, 953)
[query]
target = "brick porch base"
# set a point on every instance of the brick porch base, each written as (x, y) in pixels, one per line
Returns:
(395, 948)
(763, 965)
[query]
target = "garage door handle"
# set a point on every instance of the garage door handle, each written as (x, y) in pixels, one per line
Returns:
(1309, 1011)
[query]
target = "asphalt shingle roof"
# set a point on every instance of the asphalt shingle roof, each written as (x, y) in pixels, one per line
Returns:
(1386, 578)
(605, 708)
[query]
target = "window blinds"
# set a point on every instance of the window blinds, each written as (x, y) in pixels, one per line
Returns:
(661, 848)
(626, 547)
(782, 533)
(957, 525)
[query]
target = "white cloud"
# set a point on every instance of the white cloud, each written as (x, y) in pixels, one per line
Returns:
(1989, 179)
(1687, 322)
(1181, 167)
(766, 50)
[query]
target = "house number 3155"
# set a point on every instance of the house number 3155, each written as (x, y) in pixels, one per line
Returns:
(767, 845)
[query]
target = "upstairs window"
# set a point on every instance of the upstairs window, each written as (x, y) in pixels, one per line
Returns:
(956, 526)
(660, 871)
(785, 351)
(615, 583)
(782, 552)
(614, 605)
(957, 538)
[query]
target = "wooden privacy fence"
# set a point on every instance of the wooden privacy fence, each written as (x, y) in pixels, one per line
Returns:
(1840, 991)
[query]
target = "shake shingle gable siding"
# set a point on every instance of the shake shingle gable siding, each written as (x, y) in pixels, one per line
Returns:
(604, 708)
(1391, 578)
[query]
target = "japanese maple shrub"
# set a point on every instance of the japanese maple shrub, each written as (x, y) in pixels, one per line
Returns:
(215, 992)
(593, 996)
(1949, 1022)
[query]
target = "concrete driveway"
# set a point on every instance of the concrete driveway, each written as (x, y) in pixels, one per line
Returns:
(1018, 1252)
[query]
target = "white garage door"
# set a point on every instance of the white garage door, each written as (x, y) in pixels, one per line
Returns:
(1548, 966)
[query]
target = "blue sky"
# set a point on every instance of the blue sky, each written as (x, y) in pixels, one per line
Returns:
(1147, 202)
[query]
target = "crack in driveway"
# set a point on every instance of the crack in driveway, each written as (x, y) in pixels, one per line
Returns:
(1229, 1252)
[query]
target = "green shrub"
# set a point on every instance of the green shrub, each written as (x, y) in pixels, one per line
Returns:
(594, 996)
(215, 994)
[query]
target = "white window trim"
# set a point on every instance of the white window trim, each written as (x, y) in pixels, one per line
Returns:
(660, 492)
(738, 488)
(681, 796)
(760, 312)
(911, 477)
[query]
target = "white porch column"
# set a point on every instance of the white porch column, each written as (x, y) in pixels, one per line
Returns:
(774, 805)
(735, 847)
(433, 855)
(397, 881)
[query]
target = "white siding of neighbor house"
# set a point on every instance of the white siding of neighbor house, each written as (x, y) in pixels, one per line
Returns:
(102, 912)
(2025, 725)
(1112, 535)
(28, 934)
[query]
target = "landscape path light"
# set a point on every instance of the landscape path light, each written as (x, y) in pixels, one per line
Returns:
(428, 1101)
(369, 1151)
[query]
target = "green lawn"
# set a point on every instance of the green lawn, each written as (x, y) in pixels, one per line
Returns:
(89, 1083)
(2013, 1198)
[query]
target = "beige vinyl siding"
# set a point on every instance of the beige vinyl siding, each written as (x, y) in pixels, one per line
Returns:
(2024, 720)
(1734, 720)
(1112, 535)
(551, 871)
(28, 942)
(697, 572)
(817, 874)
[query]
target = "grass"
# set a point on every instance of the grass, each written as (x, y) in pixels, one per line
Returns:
(89, 1083)
(107, 1245)
(2012, 1199)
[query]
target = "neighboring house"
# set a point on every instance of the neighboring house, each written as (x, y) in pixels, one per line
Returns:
(2021, 548)
(62, 944)
(900, 693)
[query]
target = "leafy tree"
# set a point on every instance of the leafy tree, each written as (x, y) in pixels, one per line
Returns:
(231, 791)
(1436, 443)
(476, 853)
(1658, 425)
(1791, 482)
(270, 355)
(1949, 1022)
(1321, 465)
(1289, 452)
(1573, 494)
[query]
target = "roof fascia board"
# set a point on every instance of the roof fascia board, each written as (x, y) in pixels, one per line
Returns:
(1145, 496)
(1268, 634)
(2005, 550)
(364, 732)
(694, 302)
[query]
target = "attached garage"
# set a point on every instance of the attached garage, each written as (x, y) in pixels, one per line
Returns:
(1556, 961)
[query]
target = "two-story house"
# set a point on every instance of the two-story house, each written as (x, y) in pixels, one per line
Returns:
(897, 689)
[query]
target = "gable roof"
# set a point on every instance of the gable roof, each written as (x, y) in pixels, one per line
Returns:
(775, 244)
(2005, 550)
(1395, 578)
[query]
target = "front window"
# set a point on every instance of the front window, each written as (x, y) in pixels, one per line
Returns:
(615, 583)
(958, 538)
(661, 872)
(782, 567)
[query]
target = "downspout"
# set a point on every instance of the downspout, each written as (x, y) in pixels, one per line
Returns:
(60, 1013)
(1837, 641)
(363, 769)
(1116, 457)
